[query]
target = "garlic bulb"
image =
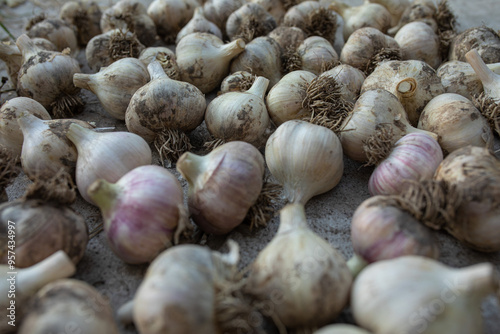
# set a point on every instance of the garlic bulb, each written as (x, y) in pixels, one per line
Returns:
(240, 115)
(72, 300)
(484, 39)
(285, 99)
(414, 82)
(460, 78)
(366, 47)
(223, 185)
(11, 136)
(420, 10)
(143, 212)
(237, 82)
(314, 19)
(261, 57)
(288, 37)
(456, 121)
(47, 77)
(46, 150)
(106, 155)
(42, 229)
(130, 16)
(395, 7)
(366, 15)
(473, 173)
(115, 84)
(314, 54)
(274, 7)
(341, 329)
(380, 230)
(163, 110)
(419, 41)
(25, 283)
(489, 79)
(180, 290)
(310, 285)
(305, 158)
(249, 21)
(57, 31)
(170, 16)
(218, 11)
(104, 49)
(198, 24)
(204, 59)
(165, 56)
(441, 298)
(350, 80)
(414, 157)
(85, 16)
(377, 121)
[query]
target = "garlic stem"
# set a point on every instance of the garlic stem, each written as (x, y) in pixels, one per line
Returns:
(407, 87)
(54, 267)
(292, 217)
(259, 87)
(483, 72)
(78, 134)
(27, 121)
(125, 313)
(104, 194)
(230, 50)
(156, 71)
(82, 80)
(356, 263)
(480, 279)
(190, 165)
(27, 46)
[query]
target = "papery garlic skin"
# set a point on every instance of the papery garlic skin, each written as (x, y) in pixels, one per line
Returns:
(115, 84)
(12, 58)
(85, 16)
(204, 59)
(141, 212)
(11, 135)
(106, 155)
(310, 285)
(169, 16)
(239, 81)
(288, 37)
(382, 301)
(414, 82)
(418, 41)
(58, 32)
(316, 54)
(67, 299)
(198, 23)
(275, 7)
(223, 185)
(456, 121)
(249, 21)
(218, 11)
(349, 78)
(484, 39)
(305, 158)
(395, 7)
(341, 329)
(414, 157)
(165, 56)
(419, 10)
(284, 100)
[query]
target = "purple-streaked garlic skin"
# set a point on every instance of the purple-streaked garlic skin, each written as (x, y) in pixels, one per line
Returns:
(380, 231)
(223, 185)
(414, 157)
(141, 212)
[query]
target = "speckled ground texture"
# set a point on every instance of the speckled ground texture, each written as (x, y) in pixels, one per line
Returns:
(328, 214)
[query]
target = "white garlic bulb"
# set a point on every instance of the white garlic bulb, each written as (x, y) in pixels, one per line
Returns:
(395, 7)
(341, 329)
(106, 155)
(441, 299)
(249, 21)
(350, 80)
(419, 41)
(365, 15)
(218, 11)
(57, 31)
(305, 158)
(482, 38)
(237, 82)
(420, 10)
(310, 285)
(456, 121)
(11, 136)
(240, 115)
(274, 7)
(85, 16)
(414, 82)
(170, 16)
(288, 37)
(115, 84)
(314, 54)
(204, 59)
(165, 56)
(198, 23)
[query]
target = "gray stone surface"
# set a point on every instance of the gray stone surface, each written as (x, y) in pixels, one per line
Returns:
(328, 214)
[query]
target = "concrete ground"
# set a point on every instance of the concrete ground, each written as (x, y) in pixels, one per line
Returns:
(328, 214)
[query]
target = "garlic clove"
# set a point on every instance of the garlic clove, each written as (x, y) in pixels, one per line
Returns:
(11, 135)
(382, 301)
(456, 121)
(237, 165)
(106, 155)
(308, 287)
(204, 59)
(415, 156)
(115, 84)
(305, 158)
(143, 212)
(240, 116)
(198, 23)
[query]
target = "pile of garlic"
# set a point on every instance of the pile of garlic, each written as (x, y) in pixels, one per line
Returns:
(232, 118)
